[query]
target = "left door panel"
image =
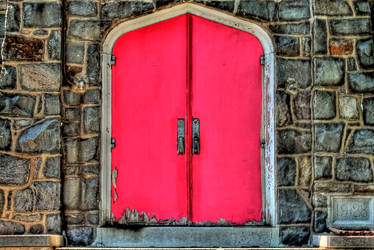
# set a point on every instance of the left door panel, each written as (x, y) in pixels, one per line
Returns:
(148, 97)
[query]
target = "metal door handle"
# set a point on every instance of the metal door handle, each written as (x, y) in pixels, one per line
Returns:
(195, 136)
(180, 137)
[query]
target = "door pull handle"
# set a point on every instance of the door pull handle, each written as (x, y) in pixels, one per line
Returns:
(180, 137)
(195, 136)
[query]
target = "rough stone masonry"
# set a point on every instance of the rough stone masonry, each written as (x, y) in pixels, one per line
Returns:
(50, 97)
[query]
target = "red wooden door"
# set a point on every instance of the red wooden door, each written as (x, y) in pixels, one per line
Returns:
(187, 67)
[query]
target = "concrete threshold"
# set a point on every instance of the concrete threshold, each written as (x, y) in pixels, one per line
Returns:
(45, 240)
(342, 241)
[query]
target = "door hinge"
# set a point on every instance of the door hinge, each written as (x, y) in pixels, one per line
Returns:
(113, 143)
(262, 60)
(112, 60)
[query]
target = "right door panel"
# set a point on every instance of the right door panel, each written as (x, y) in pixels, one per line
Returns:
(227, 98)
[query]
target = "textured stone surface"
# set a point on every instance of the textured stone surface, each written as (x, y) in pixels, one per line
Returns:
(328, 137)
(5, 135)
(23, 201)
(71, 193)
(72, 114)
(85, 29)
(9, 227)
(93, 219)
(291, 28)
(20, 48)
(332, 8)
(12, 18)
(91, 120)
(112, 10)
(224, 5)
(71, 97)
(72, 219)
(54, 45)
(44, 15)
(71, 129)
(46, 196)
(85, 8)
(298, 72)
(292, 141)
(368, 107)
(93, 63)
(353, 169)
(53, 223)
(320, 36)
(319, 224)
(340, 47)
(329, 71)
(52, 104)
(324, 105)
(262, 9)
(43, 137)
(17, 105)
(92, 96)
(348, 107)
(36, 229)
(45, 77)
(88, 149)
(362, 142)
(294, 10)
(2, 201)
(365, 52)
(305, 171)
(357, 26)
(74, 52)
(332, 187)
(90, 198)
(319, 200)
(8, 78)
(52, 167)
(302, 105)
(292, 208)
(287, 46)
(294, 236)
(71, 150)
(351, 64)
(362, 7)
(322, 167)
(283, 110)
(14, 170)
(361, 82)
(286, 171)
(80, 236)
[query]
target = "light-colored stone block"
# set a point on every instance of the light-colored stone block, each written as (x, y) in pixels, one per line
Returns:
(338, 242)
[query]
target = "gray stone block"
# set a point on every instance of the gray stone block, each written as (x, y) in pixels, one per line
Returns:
(328, 137)
(71, 150)
(348, 107)
(332, 187)
(291, 28)
(111, 10)
(291, 10)
(307, 46)
(160, 3)
(52, 167)
(47, 195)
(368, 108)
(91, 120)
(339, 242)
(351, 64)
(353, 169)
(294, 236)
(71, 97)
(329, 71)
(37, 229)
(72, 193)
(223, 5)
(361, 82)
(362, 8)
(299, 72)
(72, 114)
(305, 171)
(322, 167)
(17, 105)
(365, 52)
(12, 18)
(261, 9)
(14, 171)
(349, 27)
(292, 208)
(362, 142)
(90, 194)
(93, 219)
(2, 25)
(283, 110)
(92, 96)
(43, 15)
(88, 149)
(324, 105)
(52, 104)
(8, 78)
(53, 223)
(286, 171)
(293, 141)
(54, 45)
(80, 236)
(319, 223)
(71, 129)
(40, 77)
(85, 30)
(23, 201)
(287, 46)
(74, 52)
(302, 105)
(74, 219)
(84, 8)
(332, 8)
(93, 63)
(2, 201)
(9, 227)
(320, 36)
(5, 134)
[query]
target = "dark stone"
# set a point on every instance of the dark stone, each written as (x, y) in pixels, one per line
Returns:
(283, 109)
(290, 28)
(332, 8)
(17, 105)
(328, 137)
(294, 10)
(260, 9)
(52, 167)
(46, 196)
(88, 149)
(324, 105)
(85, 30)
(353, 169)
(14, 171)
(319, 200)
(320, 222)
(294, 236)
(286, 171)
(91, 96)
(307, 45)
(224, 5)
(41, 32)
(43, 15)
(54, 45)
(298, 71)
(292, 208)
(78, 8)
(72, 219)
(12, 18)
(2, 201)
(93, 219)
(320, 36)
(365, 53)
(302, 105)
(294, 142)
(91, 120)
(329, 71)
(53, 223)
(23, 201)
(72, 193)
(74, 52)
(37, 229)
(8, 78)
(5, 135)
(111, 10)
(71, 129)
(90, 169)
(43, 137)
(322, 167)
(351, 64)
(93, 63)
(350, 27)
(40, 77)
(287, 46)
(9, 227)
(52, 104)
(361, 82)
(80, 236)
(72, 114)
(362, 8)
(19, 48)
(90, 199)
(362, 142)
(368, 106)
(71, 97)
(2, 25)
(160, 3)
(339, 47)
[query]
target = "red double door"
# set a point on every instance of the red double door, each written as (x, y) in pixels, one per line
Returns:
(187, 68)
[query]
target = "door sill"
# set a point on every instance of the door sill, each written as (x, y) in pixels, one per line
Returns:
(179, 236)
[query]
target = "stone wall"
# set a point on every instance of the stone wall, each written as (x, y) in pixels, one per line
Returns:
(50, 108)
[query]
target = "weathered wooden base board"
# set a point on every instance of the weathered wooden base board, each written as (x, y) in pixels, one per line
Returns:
(9, 242)
(337, 241)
